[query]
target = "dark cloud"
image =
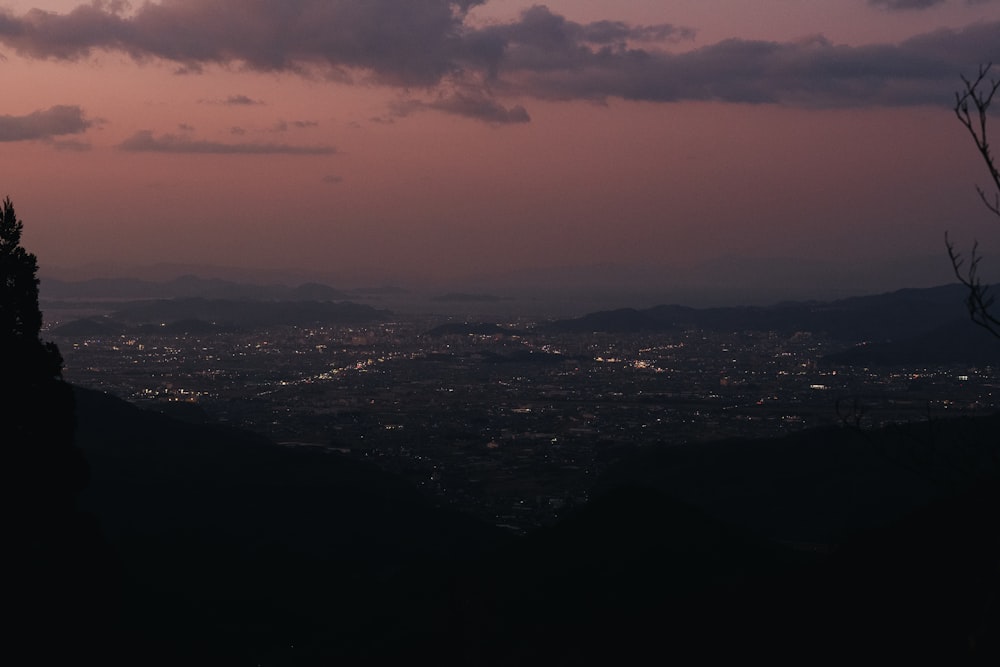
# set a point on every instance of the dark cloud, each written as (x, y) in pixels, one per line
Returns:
(425, 46)
(53, 122)
(146, 142)
(894, 5)
(553, 37)
(905, 4)
(333, 179)
(608, 32)
(481, 107)
(808, 72)
(408, 42)
(232, 100)
(469, 102)
(284, 125)
(240, 100)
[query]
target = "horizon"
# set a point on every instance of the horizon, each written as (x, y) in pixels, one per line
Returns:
(492, 142)
(517, 297)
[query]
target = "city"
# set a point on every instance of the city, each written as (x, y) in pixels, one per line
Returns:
(514, 424)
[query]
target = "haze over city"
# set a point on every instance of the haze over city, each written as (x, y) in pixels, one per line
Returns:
(461, 142)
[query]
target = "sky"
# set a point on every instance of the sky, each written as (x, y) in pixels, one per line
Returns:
(451, 142)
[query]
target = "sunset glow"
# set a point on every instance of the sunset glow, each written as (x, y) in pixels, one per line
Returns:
(436, 141)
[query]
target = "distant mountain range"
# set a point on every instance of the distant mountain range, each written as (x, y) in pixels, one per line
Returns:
(914, 325)
(198, 315)
(892, 315)
(471, 329)
(188, 286)
(959, 341)
(728, 280)
(464, 297)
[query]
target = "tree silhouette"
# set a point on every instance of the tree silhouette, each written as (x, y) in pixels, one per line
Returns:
(25, 355)
(972, 105)
(37, 405)
(50, 549)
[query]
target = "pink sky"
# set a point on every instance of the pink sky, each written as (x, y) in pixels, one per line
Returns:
(423, 139)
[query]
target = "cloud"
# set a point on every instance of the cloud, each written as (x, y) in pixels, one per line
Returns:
(809, 72)
(52, 122)
(145, 141)
(481, 107)
(333, 179)
(232, 100)
(284, 125)
(425, 46)
(240, 100)
(547, 32)
(469, 102)
(905, 4)
(406, 42)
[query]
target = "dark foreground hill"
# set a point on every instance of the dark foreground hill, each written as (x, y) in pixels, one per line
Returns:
(824, 546)
(233, 549)
(904, 523)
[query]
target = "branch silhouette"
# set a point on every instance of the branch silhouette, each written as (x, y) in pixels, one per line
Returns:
(972, 106)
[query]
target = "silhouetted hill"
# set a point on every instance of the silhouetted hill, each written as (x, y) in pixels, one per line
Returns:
(233, 549)
(187, 286)
(249, 314)
(385, 290)
(187, 326)
(465, 297)
(623, 320)
(831, 544)
(959, 341)
(470, 329)
(89, 327)
(909, 514)
(315, 292)
(895, 315)
(632, 574)
(210, 316)
(924, 588)
(822, 485)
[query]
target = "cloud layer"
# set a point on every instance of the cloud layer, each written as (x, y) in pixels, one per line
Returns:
(905, 4)
(461, 68)
(544, 56)
(145, 141)
(53, 122)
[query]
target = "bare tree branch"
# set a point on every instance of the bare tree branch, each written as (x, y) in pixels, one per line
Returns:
(980, 94)
(979, 301)
(972, 108)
